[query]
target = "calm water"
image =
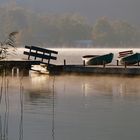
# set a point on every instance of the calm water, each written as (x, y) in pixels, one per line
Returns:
(70, 107)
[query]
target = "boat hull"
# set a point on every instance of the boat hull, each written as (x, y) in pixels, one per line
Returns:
(131, 59)
(100, 60)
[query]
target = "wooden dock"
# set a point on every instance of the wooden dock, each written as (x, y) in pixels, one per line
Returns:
(20, 63)
(35, 56)
(44, 56)
(109, 69)
(17, 66)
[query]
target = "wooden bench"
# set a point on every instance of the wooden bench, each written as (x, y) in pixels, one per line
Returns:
(125, 53)
(42, 53)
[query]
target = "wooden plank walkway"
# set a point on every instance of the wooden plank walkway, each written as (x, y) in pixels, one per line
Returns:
(18, 66)
(40, 54)
(80, 69)
(20, 63)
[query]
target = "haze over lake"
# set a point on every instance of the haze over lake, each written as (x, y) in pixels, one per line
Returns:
(71, 106)
(65, 107)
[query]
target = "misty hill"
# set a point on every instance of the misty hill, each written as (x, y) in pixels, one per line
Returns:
(92, 9)
(50, 22)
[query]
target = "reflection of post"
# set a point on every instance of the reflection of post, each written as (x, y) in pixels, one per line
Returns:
(85, 93)
(17, 71)
(0, 128)
(1, 92)
(6, 116)
(53, 126)
(122, 89)
(21, 117)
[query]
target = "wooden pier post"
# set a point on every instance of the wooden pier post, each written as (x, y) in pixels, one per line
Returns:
(64, 62)
(117, 62)
(103, 64)
(84, 63)
(125, 64)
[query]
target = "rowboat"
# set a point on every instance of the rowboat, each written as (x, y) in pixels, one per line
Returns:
(130, 59)
(98, 59)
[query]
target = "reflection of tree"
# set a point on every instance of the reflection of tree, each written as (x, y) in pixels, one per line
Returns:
(0, 128)
(4, 93)
(4, 102)
(35, 95)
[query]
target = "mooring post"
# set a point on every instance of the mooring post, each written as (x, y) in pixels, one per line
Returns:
(117, 62)
(64, 62)
(125, 64)
(103, 64)
(84, 63)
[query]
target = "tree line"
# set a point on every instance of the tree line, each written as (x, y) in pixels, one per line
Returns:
(66, 29)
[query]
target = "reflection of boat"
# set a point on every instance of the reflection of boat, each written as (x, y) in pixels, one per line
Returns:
(98, 59)
(39, 69)
(131, 59)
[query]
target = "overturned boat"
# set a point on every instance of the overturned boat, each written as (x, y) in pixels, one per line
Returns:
(130, 59)
(98, 59)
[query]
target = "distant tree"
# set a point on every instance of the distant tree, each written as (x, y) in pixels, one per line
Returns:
(61, 29)
(65, 29)
(118, 33)
(125, 34)
(103, 32)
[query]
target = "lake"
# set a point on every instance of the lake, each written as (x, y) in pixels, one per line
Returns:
(70, 107)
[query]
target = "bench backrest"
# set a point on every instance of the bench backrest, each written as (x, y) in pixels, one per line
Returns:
(125, 53)
(38, 52)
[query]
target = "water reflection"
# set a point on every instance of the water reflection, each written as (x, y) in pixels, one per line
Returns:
(22, 96)
(112, 86)
(68, 107)
(40, 101)
(71, 107)
(96, 103)
(21, 111)
(40, 90)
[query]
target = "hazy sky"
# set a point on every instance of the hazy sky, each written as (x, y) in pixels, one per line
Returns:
(92, 9)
